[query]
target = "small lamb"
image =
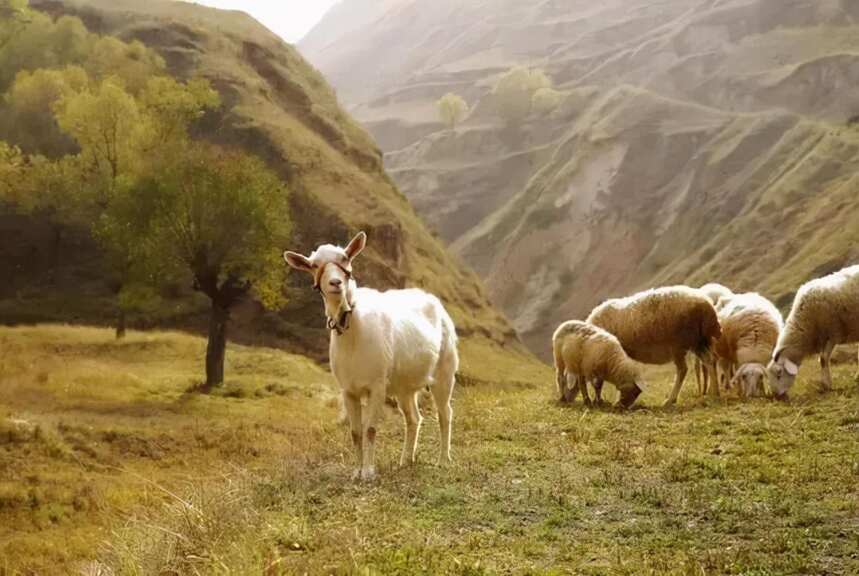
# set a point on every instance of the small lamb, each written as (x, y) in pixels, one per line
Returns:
(825, 313)
(585, 353)
(719, 295)
(751, 325)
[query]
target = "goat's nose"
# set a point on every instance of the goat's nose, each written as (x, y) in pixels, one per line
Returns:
(336, 282)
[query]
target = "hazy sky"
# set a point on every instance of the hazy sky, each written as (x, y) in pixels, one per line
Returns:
(291, 19)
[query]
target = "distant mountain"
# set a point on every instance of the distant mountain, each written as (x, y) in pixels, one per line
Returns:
(696, 141)
(280, 108)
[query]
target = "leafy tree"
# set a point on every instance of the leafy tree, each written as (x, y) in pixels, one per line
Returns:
(13, 13)
(107, 124)
(132, 63)
(31, 101)
(514, 92)
(174, 106)
(451, 109)
(217, 216)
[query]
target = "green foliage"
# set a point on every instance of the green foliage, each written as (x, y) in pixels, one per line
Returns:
(451, 109)
(107, 125)
(514, 92)
(31, 101)
(218, 215)
(174, 106)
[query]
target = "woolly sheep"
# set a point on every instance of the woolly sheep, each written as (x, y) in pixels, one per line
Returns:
(585, 353)
(660, 326)
(719, 295)
(751, 325)
(825, 313)
(393, 343)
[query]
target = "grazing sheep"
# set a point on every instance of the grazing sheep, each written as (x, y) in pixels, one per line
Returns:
(825, 313)
(660, 326)
(584, 353)
(392, 343)
(719, 295)
(751, 325)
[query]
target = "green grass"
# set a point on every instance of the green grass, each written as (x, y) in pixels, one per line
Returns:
(118, 466)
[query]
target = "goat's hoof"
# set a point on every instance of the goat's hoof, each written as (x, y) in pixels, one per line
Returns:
(368, 474)
(356, 474)
(669, 403)
(443, 461)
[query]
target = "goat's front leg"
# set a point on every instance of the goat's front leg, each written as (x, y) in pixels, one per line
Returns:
(412, 416)
(353, 411)
(825, 362)
(375, 404)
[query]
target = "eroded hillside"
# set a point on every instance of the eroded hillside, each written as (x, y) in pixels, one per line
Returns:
(695, 141)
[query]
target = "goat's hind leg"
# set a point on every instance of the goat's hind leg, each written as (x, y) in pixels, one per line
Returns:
(682, 369)
(408, 404)
(442, 392)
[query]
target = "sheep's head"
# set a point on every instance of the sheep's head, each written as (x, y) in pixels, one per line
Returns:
(331, 269)
(750, 378)
(782, 372)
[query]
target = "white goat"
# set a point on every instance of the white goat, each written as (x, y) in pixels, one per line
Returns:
(392, 343)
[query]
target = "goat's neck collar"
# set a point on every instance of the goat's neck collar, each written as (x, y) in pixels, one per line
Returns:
(341, 323)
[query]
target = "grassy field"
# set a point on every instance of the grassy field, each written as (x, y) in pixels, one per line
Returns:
(111, 464)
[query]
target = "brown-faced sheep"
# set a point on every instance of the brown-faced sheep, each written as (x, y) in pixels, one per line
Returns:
(585, 353)
(825, 313)
(660, 326)
(751, 325)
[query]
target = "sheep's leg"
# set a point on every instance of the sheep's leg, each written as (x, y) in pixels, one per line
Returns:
(353, 411)
(825, 358)
(699, 378)
(708, 362)
(598, 382)
(412, 416)
(375, 404)
(682, 369)
(577, 385)
(442, 392)
(561, 379)
(572, 387)
(856, 377)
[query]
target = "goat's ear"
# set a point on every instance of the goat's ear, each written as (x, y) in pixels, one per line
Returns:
(791, 367)
(356, 245)
(298, 261)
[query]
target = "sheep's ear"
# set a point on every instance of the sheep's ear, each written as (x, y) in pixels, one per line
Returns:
(791, 367)
(356, 245)
(298, 261)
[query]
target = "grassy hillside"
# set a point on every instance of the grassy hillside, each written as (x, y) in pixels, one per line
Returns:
(693, 143)
(106, 461)
(280, 108)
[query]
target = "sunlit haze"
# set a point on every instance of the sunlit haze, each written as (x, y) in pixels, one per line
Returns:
(290, 19)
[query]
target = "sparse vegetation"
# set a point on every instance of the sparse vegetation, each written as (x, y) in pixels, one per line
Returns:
(451, 109)
(515, 90)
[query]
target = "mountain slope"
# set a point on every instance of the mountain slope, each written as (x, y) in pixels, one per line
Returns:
(695, 142)
(279, 107)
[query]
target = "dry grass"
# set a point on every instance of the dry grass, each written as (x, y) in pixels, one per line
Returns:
(262, 487)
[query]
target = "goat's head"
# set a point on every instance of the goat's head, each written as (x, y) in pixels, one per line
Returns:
(331, 269)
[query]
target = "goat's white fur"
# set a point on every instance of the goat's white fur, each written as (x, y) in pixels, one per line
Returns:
(397, 343)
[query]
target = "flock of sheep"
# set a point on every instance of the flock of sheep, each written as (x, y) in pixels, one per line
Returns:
(399, 342)
(739, 340)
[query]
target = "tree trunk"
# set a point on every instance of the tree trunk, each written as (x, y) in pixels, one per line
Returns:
(216, 348)
(120, 324)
